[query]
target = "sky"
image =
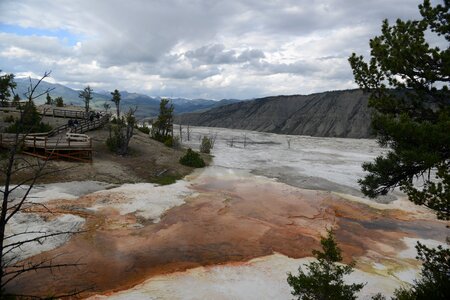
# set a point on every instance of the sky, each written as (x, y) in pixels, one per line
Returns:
(209, 49)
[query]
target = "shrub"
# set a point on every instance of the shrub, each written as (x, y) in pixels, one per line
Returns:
(192, 159)
(8, 119)
(176, 142)
(17, 127)
(113, 142)
(59, 101)
(30, 121)
(168, 141)
(166, 179)
(144, 129)
(206, 145)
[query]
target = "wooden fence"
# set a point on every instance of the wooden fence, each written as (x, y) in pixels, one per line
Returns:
(51, 145)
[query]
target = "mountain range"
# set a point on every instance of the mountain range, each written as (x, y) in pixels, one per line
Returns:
(327, 114)
(147, 106)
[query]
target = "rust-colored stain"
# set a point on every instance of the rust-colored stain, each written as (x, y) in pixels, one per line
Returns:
(226, 222)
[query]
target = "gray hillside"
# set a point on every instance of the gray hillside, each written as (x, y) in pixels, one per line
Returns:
(329, 114)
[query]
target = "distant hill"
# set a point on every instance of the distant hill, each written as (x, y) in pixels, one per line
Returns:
(328, 114)
(147, 106)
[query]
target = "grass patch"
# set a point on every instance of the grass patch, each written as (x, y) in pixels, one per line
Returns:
(166, 179)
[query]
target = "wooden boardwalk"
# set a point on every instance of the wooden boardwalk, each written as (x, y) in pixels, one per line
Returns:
(65, 113)
(49, 111)
(62, 142)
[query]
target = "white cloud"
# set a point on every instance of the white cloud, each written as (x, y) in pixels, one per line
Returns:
(213, 49)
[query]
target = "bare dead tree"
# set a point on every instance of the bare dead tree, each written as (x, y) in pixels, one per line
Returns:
(213, 138)
(231, 142)
(188, 133)
(12, 264)
(30, 94)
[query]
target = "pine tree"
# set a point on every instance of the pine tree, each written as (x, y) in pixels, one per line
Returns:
(7, 85)
(116, 99)
(324, 278)
(48, 99)
(163, 127)
(59, 101)
(408, 84)
(86, 95)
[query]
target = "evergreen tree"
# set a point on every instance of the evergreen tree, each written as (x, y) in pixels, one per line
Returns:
(29, 122)
(48, 99)
(116, 99)
(7, 85)
(86, 95)
(324, 279)
(59, 101)
(408, 84)
(16, 100)
(163, 127)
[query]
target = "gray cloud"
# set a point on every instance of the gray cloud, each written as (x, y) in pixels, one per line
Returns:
(201, 48)
(217, 54)
(298, 67)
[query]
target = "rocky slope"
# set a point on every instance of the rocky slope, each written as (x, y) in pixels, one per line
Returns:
(329, 114)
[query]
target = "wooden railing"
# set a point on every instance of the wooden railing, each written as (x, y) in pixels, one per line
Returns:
(12, 104)
(49, 111)
(65, 113)
(45, 143)
(44, 140)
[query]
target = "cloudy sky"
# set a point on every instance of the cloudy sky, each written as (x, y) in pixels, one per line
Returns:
(193, 48)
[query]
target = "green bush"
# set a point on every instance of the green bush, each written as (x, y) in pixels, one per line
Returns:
(206, 145)
(166, 179)
(113, 141)
(8, 119)
(59, 101)
(176, 142)
(17, 127)
(192, 159)
(158, 137)
(30, 121)
(168, 141)
(144, 129)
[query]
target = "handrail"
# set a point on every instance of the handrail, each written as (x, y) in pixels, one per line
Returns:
(38, 138)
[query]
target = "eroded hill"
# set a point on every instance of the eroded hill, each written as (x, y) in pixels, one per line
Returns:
(329, 114)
